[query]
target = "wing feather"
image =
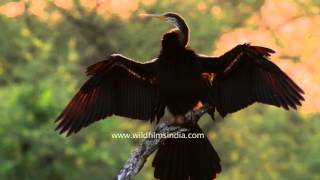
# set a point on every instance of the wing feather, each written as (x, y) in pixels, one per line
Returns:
(244, 75)
(117, 86)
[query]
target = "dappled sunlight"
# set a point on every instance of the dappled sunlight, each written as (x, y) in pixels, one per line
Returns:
(90, 4)
(275, 13)
(202, 6)
(149, 2)
(118, 7)
(38, 8)
(12, 9)
(244, 35)
(300, 35)
(68, 5)
(121, 8)
(295, 38)
(307, 80)
(103, 7)
(216, 10)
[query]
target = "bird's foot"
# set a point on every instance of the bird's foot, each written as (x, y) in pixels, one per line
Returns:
(177, 120)
(189, 119)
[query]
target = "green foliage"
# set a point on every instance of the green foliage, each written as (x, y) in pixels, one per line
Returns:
(42, 64)
(268, 144)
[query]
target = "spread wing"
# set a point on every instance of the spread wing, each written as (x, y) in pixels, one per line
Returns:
(117, 86)
(244, 75)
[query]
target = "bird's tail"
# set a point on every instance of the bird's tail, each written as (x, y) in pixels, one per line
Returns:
(186, 159)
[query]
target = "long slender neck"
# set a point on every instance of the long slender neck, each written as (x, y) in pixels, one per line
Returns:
(183, 28)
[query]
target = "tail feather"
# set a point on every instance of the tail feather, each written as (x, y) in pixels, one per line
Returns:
(184, 159)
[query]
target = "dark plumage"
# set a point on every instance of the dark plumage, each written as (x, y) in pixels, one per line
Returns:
(182, 158)
(175, 80)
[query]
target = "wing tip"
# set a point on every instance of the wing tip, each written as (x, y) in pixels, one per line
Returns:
(66, 131)
(263, 50)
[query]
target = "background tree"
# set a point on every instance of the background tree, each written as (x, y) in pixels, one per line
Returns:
(46, 45)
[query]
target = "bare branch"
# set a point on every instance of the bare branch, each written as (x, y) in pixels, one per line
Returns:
(149, 145)
(87, 27)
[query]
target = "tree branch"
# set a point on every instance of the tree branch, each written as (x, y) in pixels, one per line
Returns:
(149, 145)
(87, 27)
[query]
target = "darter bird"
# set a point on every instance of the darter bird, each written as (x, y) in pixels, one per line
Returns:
(180, 80)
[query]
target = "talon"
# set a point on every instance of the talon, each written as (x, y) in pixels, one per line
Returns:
(177, 120)
(190, 120)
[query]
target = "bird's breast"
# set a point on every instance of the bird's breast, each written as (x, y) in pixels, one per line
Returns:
(179, 78)
(180, 83)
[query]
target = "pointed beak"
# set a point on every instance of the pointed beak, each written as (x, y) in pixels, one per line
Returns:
(161, 17)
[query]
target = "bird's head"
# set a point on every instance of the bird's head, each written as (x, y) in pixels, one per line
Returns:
(175, 20)
(172, 18)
